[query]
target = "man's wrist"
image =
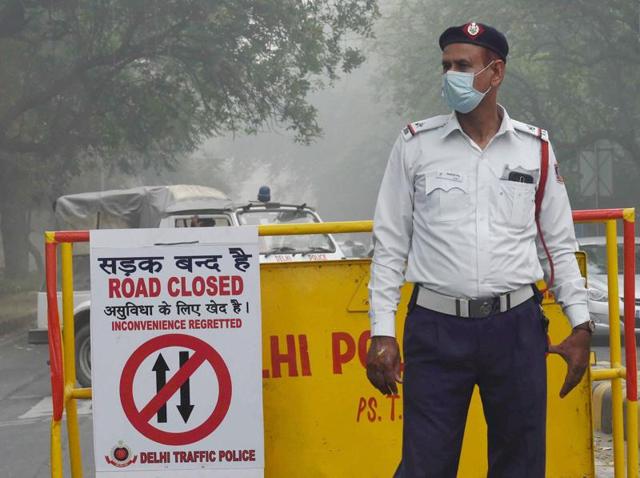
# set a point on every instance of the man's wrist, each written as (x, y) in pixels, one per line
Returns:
(383, 324)
(588, 326)
(382, 337)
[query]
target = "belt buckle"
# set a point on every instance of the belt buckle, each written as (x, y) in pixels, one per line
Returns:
(481, 307)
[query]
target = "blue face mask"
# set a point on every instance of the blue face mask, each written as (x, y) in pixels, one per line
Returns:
(458, 90)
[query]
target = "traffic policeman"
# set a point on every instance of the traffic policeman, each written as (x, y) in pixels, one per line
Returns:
(456, 215)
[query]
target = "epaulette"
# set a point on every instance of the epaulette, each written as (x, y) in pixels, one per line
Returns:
(534, 130)
(413, 129)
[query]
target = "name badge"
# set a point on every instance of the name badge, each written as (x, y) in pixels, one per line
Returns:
(450, 176)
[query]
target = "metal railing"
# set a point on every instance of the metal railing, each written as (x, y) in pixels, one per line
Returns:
(617, 372)
(62, 343)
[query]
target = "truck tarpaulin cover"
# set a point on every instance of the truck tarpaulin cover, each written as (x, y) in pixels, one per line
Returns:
(140, 207)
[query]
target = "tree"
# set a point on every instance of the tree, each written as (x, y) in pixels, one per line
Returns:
(126, 79)
(572, 69)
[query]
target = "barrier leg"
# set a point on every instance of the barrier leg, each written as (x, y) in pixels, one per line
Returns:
(56, 450)
(615, 349)
(73, 433)
(55, 356)
(630, 342)
(632, 438)
(68, 339)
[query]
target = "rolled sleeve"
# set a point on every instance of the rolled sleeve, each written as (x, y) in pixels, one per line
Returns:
(577, 313)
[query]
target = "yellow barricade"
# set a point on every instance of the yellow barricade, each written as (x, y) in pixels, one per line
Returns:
(323, 418)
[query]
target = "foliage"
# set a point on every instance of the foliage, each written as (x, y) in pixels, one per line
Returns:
(161, 73)
(572, 68)
(131, 79)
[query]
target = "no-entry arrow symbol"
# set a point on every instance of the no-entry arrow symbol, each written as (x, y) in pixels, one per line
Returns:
(161, 368)
(202, 353)
(185, 408)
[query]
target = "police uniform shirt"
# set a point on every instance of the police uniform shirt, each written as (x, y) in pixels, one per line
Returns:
(449, 218)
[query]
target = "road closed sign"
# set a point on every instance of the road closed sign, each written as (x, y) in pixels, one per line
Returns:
(176, 352)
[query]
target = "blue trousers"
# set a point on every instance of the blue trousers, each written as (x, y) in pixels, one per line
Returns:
(445, 356)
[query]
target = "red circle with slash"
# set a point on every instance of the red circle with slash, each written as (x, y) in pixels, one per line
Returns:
(203, 352)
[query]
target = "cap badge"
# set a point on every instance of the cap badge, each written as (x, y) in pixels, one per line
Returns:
(473, 29)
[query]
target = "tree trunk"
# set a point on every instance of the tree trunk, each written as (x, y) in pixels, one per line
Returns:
(13, 222)
(14, 240)
(37, 257)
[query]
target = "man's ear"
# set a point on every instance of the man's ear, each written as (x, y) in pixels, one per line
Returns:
(498, 69)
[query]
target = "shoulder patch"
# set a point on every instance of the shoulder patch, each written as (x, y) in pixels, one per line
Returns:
(416, 127)
(530, 129)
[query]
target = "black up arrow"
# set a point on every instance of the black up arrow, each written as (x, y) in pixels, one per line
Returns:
(185, 408)
(161, 368)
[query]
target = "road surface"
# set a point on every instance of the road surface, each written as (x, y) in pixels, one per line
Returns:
(25, 411)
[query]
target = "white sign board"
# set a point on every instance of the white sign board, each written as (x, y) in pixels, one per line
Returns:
(176, 352)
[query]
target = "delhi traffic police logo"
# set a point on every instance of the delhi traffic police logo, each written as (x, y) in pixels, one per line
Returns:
(121, 456)
(473, 29)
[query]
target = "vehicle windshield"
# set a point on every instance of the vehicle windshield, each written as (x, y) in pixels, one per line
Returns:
(201, 220)
(597, 258)
(309, 243)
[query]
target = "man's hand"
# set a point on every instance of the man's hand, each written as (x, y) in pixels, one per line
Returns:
(575, 351)
(383, 364)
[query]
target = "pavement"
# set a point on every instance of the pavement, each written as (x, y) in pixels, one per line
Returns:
(16, 311)
(25, 410)
(603, 447)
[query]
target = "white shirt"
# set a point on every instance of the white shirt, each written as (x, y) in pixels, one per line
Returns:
(447, 211)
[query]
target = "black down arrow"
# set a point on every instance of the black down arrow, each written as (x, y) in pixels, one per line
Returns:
(161, 368)
(185, 408)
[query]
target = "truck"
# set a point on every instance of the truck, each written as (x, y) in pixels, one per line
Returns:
(172, 206)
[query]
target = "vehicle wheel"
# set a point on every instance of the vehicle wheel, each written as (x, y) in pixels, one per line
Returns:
(83, 355)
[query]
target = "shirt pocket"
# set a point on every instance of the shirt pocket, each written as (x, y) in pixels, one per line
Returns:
(447, 196)
(516, 203)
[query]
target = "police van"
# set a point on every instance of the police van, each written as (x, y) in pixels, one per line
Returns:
(166, 207)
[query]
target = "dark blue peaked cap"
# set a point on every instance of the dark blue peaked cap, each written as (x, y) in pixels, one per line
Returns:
(476, 34)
